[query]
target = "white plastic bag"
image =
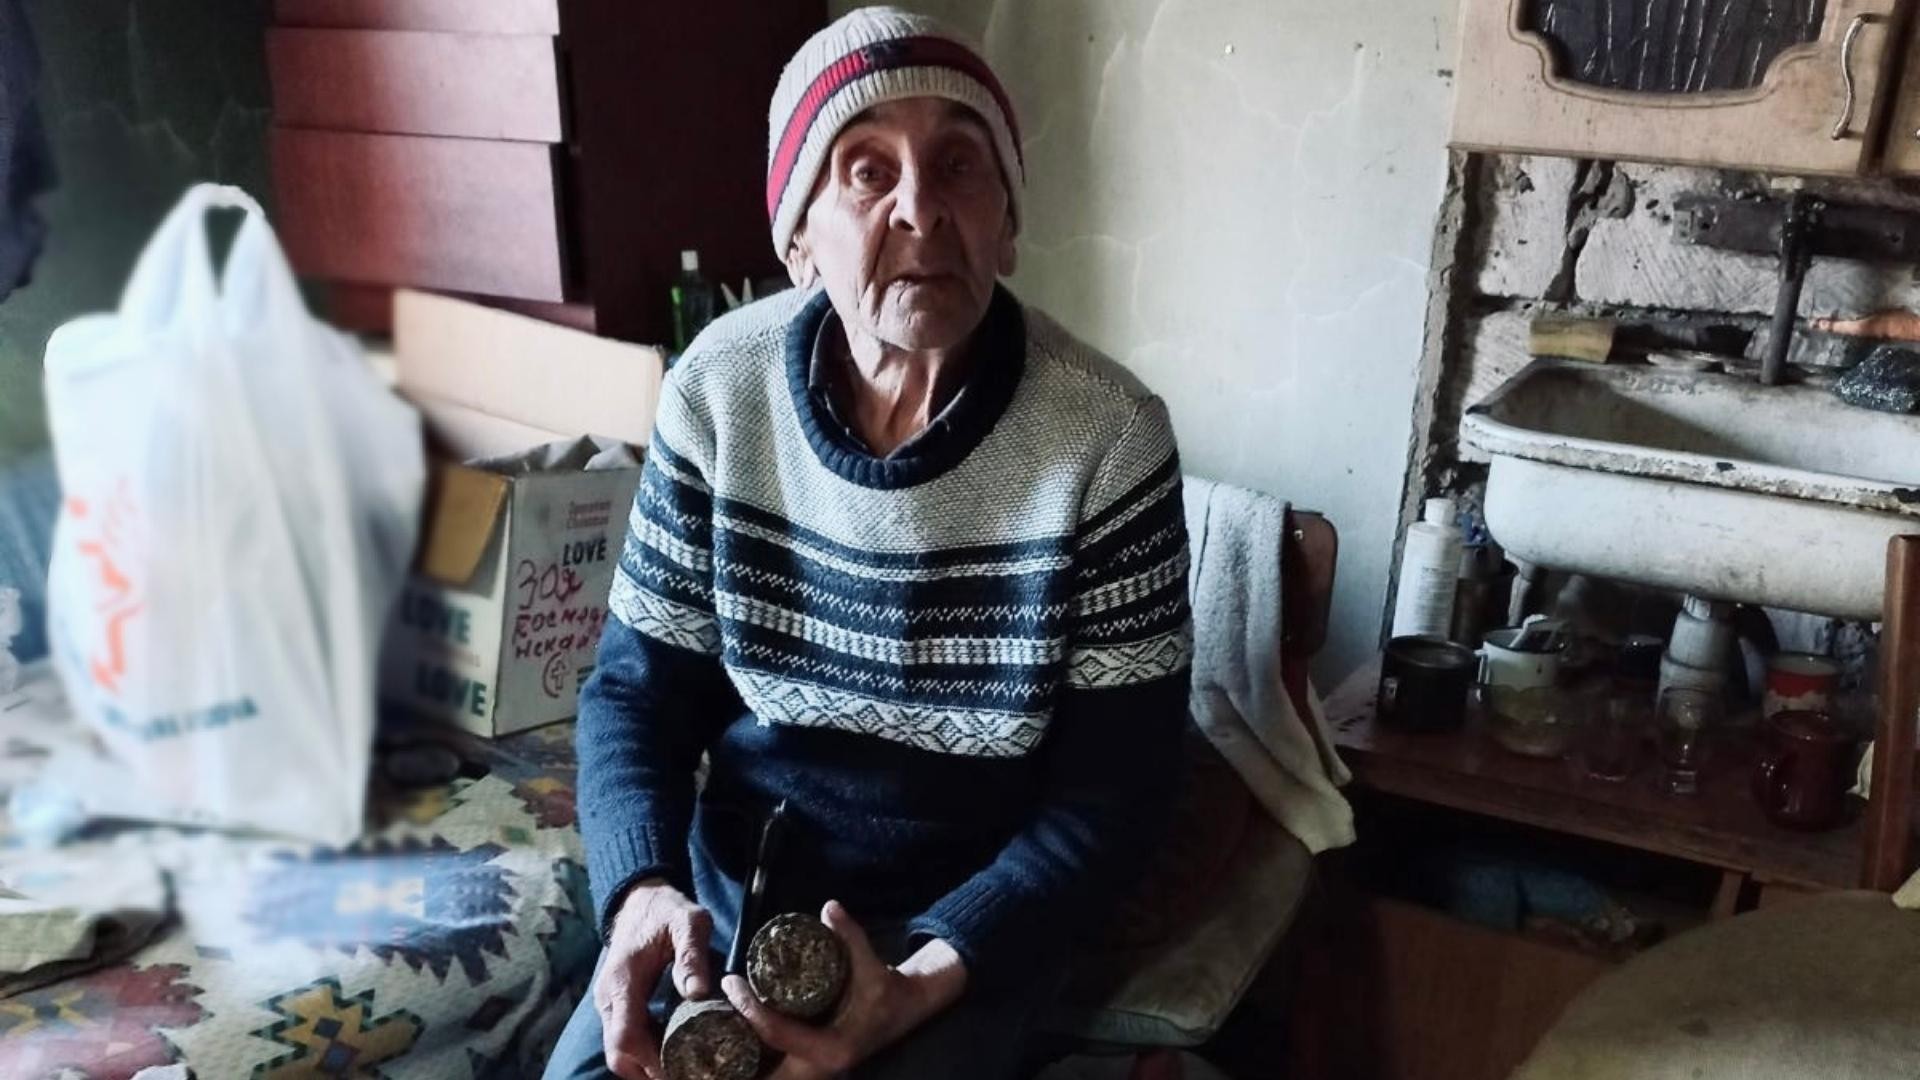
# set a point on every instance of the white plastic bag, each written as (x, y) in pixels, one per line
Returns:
(241, 500)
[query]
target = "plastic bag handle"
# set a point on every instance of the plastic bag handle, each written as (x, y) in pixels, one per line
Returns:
(258, 286)
(174, 274)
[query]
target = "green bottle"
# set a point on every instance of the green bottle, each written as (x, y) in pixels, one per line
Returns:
(692, 302)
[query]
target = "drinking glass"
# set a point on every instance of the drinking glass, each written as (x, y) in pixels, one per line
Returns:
(1687, 716)
(1612, 744)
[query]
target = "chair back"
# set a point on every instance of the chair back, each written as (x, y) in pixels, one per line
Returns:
(1139, 987)
(1309, 558)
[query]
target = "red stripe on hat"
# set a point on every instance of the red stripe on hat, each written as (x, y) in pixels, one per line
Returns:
(869, 60)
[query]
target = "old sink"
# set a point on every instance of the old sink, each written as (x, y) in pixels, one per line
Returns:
(1708, 484)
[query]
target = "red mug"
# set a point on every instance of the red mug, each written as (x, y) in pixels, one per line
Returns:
(1802, 777)
(1799, 682)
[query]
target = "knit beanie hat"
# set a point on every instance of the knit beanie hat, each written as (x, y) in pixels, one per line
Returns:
(869, 56)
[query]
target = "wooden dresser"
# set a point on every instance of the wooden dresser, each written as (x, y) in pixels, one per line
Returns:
(551, 156)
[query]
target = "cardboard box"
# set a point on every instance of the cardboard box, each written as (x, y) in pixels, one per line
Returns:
(499, 625)
(516, 368)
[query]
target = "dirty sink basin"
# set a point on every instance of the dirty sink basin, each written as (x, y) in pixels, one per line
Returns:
(1707, 484)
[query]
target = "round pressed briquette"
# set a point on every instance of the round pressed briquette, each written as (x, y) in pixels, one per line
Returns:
(708, 1040)
(798, 966)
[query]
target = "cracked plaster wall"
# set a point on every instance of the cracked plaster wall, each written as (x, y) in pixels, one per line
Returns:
(1236, 199)
(141, 98)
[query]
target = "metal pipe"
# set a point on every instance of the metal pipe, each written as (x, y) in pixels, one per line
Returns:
(1780, 336)
(1793, 274)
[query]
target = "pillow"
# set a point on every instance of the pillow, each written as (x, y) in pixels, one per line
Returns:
(1826, 987)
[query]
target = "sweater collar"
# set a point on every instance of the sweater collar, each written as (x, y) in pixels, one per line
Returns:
(826, 381)
(993, 374)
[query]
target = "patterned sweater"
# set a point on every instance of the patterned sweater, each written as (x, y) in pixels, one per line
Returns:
(963, 666)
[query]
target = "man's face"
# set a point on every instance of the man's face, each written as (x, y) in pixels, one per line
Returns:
(908, 228)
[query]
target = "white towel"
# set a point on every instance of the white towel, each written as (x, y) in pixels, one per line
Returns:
(1239, 701)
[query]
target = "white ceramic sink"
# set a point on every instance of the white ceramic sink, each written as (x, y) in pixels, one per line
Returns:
(1707, 484)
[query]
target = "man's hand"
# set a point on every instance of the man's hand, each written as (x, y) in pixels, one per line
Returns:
(881, 1004)
(655, 926)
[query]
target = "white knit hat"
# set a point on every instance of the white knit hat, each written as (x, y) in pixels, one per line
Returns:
(868, 56)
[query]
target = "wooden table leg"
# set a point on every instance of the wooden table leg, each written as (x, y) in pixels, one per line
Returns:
(1884, 865)
(1726, 898)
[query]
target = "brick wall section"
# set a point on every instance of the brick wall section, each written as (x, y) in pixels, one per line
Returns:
(1525, 235)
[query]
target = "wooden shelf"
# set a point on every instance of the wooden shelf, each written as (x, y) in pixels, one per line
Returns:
(1722, 826)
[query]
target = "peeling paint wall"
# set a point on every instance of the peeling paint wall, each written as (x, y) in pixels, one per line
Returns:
(141, 98)
(1236, 199)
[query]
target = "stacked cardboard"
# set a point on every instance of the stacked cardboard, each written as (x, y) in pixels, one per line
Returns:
(499, 625)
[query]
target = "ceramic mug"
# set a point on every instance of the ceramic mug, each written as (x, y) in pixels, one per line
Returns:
(1801, 682)
(1802, 777)
(1502, 665)
(1424, 683)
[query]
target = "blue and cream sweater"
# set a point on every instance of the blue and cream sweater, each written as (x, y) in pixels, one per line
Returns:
(963, 666)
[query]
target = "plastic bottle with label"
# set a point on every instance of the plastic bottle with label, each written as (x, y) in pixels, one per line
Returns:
(1429, 571)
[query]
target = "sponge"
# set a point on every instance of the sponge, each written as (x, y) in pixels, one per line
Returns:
(1888, 380)
(1573, 339)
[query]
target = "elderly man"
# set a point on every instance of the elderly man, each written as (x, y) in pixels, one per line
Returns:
(907, 558)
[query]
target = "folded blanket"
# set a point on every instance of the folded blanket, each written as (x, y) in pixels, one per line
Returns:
(61, 914)
(1238, 700)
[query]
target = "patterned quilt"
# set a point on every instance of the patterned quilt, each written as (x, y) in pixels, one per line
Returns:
(452, 942)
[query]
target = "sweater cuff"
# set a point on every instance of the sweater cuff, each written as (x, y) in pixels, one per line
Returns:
(981, 922)
(617, 860)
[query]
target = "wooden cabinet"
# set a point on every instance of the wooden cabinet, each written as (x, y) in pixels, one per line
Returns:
(476, 86)
(1393, 990)
(1900, 153)
(402, 209)
(554, 156)
(1782, 86)
(469, 16)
